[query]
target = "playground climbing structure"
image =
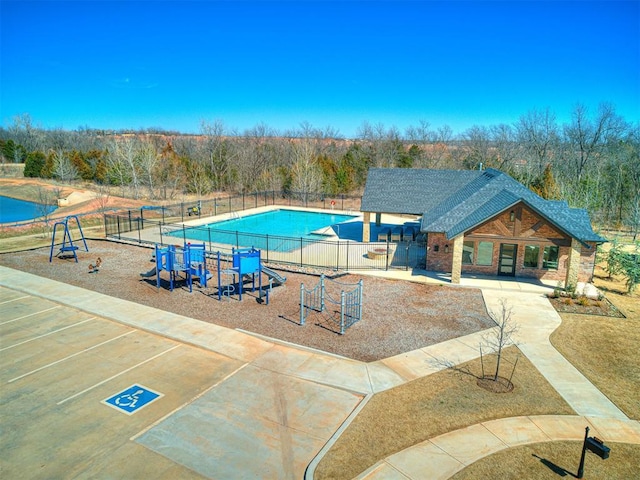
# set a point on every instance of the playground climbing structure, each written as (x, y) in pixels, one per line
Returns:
(189, 261)
(317, 298)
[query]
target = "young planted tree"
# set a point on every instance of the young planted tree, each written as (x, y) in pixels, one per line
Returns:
(501, 336)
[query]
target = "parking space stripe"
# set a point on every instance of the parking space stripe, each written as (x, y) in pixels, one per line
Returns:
(14, 299)
(70, 356)
(116, 375)
(46, 334)
(31, 315)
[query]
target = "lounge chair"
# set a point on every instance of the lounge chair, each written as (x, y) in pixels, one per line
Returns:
(409, 234)
(383, 235)
(396, 234)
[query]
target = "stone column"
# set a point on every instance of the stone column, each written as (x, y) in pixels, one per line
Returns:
(573, 265)
(456, 265)
(366, 227)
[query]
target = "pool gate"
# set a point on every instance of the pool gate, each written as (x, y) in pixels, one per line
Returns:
(316, 300)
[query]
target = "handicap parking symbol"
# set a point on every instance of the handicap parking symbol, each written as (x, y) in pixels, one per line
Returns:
(132, 399)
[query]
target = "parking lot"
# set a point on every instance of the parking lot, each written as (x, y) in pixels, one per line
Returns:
(84, 396)
(59, 365)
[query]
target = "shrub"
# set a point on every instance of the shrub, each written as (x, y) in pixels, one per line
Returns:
(583, 301)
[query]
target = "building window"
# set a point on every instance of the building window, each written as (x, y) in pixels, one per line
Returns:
(467, 253)
(550, 258)
(531, 255)
(485, 253)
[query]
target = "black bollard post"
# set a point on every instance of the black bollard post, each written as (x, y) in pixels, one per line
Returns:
(584, 451)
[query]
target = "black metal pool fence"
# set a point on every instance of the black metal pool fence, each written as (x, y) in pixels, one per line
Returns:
(162, 225)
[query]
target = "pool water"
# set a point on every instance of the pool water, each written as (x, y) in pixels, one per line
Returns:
(253, 230)
(12, 210)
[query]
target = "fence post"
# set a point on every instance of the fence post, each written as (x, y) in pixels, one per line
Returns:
(347, 261)
(360, 289)
(142, 216)
(184, 234)
(139, 233)
(160, 228)
(342, 312)
(130, 227)
(215, 206)
(302, 307)
(106, 234)
(322, 292)
(182, 211)
(386, 257)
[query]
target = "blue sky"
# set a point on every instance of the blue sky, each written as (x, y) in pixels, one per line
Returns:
(173, 64)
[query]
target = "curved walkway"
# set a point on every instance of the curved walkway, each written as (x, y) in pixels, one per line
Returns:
(441, 457)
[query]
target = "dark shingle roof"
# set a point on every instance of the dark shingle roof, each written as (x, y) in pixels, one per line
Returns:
(411, 190)
(453, 202)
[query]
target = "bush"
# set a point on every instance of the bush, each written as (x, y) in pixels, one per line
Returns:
(583, 301)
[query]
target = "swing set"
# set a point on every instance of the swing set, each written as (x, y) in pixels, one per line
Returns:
(67, 248)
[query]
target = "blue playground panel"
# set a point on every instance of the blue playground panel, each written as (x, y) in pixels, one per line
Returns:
(132, 399)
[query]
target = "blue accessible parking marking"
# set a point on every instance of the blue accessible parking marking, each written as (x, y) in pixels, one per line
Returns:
(132, 399)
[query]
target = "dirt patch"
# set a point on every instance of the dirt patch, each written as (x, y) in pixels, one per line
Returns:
(499, 385)
(398, 316)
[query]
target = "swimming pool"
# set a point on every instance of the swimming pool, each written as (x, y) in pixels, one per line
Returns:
(274, 230)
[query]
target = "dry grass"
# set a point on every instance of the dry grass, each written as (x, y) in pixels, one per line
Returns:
(550, 460)
(406, 415)
(605, 349)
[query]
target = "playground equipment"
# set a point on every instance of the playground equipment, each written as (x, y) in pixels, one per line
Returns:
(67, 240)
(189, 260)
(316, 299)
(244, 262)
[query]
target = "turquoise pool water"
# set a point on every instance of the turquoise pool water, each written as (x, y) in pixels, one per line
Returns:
(266, 230)
(12, 210)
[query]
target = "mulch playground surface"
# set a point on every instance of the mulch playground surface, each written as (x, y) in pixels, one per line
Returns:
(398, 316)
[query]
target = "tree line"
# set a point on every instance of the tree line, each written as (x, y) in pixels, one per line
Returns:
(592, 161)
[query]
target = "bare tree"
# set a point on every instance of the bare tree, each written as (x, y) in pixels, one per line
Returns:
(63, 168)
(126, 155)
(47, 199)
(103, 196)
(507, 149)
(537, 134)
(588, 138)
(306, 174)
(479, 149)
(502, 335)
(148, 163)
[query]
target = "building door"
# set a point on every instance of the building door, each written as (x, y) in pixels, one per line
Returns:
(507, 261)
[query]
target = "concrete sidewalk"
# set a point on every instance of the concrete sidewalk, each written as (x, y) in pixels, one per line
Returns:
(441, 457)
(537, 319)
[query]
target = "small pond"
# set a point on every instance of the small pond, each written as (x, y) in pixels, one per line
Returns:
(12, 210)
